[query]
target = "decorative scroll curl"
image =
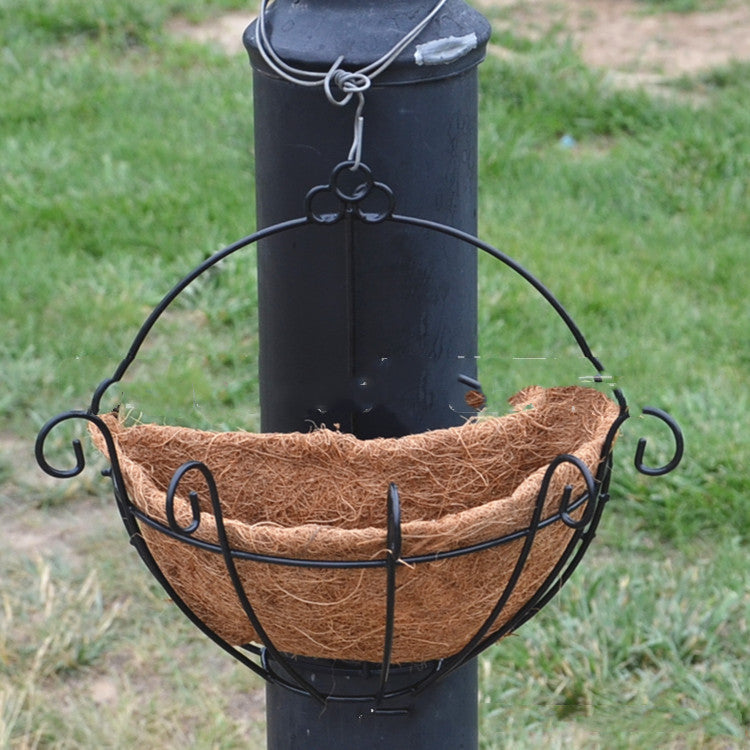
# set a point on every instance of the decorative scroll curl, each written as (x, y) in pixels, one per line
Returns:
(80, 460)
(565, 504)
(679, 445)
(195, 507)
(80, 465)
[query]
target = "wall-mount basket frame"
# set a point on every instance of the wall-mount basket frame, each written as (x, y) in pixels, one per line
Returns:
(353, 196)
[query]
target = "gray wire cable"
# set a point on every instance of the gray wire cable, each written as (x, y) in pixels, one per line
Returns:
(349, 82)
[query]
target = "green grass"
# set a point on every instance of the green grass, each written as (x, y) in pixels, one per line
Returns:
(125, 24)
(643, 649)
(87, 667)
(682, 6)
(121, 171)
(127, 159)
(641, 230)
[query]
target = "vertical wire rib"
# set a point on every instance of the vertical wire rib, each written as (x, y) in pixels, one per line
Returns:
(349, 250)
(240, 589)
(475, 644)
(394, 553)
(575, 549)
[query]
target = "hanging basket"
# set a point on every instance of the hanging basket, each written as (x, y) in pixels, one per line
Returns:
(423, 548)
(319, 497)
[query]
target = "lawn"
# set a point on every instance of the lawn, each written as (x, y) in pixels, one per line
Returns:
(127, 159)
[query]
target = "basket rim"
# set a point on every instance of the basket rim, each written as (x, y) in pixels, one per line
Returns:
(380, 562)
(587, 455)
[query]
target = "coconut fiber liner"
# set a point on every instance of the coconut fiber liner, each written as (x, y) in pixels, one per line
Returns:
(322, 496)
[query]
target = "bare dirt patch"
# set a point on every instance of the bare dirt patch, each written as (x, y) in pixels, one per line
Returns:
(224, 32)
(72, 510)
(624, 37)
(617, 35)
(60, 532)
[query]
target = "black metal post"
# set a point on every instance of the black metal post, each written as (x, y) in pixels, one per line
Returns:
(368, 330)
(443, 717)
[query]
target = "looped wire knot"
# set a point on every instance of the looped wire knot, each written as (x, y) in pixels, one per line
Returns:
(349, 82)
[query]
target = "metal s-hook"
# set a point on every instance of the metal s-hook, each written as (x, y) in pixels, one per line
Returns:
(678, 440)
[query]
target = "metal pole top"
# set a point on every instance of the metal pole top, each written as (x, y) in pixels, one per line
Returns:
(315, 33)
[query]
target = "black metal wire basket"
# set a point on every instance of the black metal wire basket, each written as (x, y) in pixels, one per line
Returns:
(353, 197)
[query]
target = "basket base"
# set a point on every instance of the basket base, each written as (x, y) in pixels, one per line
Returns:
(443, 715)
